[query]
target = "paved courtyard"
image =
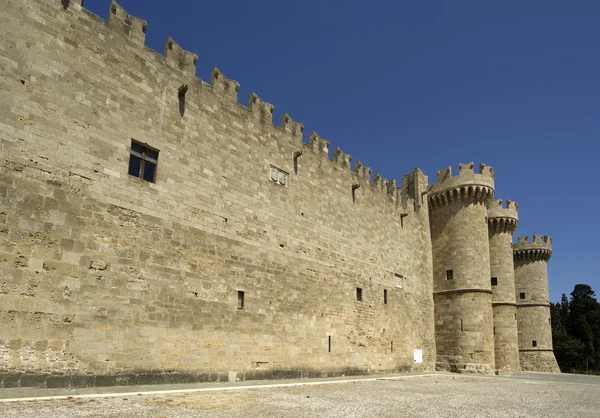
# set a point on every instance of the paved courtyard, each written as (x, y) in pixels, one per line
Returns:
(437, 395)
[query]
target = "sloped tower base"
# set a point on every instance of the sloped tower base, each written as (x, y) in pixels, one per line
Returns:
(538, 361)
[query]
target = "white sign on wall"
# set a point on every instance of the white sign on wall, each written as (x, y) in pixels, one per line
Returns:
(418, 356)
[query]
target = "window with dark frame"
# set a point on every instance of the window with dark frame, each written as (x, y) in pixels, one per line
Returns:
(494, 281)
(359, 294)
(143, 161)
(521, 295)
(449, 275)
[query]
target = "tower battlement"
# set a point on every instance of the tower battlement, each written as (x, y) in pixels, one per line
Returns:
(503, 218)
(468, 186)
(538, 248)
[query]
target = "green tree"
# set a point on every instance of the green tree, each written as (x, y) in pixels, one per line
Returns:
(576, 330)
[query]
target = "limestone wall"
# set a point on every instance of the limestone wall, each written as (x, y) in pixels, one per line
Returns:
(109, 279)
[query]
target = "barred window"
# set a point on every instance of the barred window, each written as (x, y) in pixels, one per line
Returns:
(143, 161)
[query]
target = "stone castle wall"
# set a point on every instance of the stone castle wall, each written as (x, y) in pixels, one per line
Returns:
(109, 279)
(251, 254)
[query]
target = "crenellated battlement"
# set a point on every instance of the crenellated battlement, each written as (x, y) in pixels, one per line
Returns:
(292, 127)
(132, 27)
(261, 112)
(341, 158)
(363, 172)
(467, 187)
(318, 144)
(223, 85)
(178, 58)
(503, 218)
(540, 248)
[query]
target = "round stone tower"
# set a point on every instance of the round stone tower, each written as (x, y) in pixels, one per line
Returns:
(502, 223)
(533, 307)
(461, 269)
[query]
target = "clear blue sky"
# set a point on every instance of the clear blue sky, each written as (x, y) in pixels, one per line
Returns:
(400, 84)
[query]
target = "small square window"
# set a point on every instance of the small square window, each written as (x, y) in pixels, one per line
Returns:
(359, 294)
(494, 281)
(143, 161)
(449, 275)
(521, 295)
(534, 343)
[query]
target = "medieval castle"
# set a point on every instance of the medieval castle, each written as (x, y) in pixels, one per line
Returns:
(153, 229)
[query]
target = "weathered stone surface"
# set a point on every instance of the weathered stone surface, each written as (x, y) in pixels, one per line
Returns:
(533, 305)
(103, 274)
(502, 223)
(242, 257)
(461, 269)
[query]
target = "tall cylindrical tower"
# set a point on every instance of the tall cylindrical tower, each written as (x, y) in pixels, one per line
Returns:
(461, 269)
(533, 307)
(502, 223)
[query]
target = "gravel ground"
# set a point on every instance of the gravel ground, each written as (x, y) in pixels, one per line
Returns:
(426, 396)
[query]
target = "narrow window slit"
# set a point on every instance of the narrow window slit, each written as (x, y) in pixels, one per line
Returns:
(240, 299)
(449, 275)
(181, 93)
(359, 294)
(402, 216)
(297, 155)
(385, 296)
(329, 344)
(354, 187)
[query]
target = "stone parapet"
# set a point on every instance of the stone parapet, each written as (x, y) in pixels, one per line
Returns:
(538, 249)
(503, 218)
(467, 187)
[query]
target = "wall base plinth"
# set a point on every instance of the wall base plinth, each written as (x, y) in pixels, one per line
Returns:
(538, 361)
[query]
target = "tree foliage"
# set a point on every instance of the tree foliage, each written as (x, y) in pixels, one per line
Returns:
(576, 331)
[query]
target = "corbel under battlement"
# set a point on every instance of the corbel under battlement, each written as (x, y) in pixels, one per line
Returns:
(497, 209)
(468, 186)
(503, 218)
(539, 248)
